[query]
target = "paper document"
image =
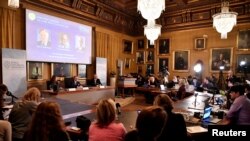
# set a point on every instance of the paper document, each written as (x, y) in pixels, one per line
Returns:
(196, 129)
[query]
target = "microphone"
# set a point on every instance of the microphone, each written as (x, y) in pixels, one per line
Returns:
(118, 108)
(10, 94)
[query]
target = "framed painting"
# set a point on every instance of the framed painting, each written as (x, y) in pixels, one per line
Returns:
(150, 69)
(164, 46)
(150, 56)
(61, 69)
(81, 71)
(140, 55)
(220, 57)
(243, 41)
(163, 64)
(127, 63)
(200, 43)
(150, 46)
(127, 46)
(140, 44)
(181, 60)
(243, 63)
(35, 71)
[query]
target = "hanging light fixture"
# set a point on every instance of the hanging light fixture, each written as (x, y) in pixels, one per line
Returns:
(224, 21)
(152, 32)
(151, 9)
(13, 3)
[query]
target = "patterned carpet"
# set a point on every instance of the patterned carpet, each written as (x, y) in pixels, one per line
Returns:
(124, 101)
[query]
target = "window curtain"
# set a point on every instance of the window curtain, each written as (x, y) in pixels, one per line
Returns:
(107, 46)
(7, 28)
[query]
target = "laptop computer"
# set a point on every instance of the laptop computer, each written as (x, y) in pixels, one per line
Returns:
(206, 116)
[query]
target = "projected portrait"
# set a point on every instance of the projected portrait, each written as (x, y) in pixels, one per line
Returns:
(80, 42)
(64, 41)
(43, 38)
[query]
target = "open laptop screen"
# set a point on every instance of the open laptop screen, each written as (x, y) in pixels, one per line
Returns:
(162, 87)
(207, 112)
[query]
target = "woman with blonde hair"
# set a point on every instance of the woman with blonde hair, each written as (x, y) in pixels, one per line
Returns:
(175, 127)
(47, 124)
(105, 128)
(21, 114)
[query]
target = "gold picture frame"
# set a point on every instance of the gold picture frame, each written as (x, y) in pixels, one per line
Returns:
(200, 43)
(61, 69)
(140, 57)
(243, 39)
(181, 60)
(128, 46)
(164, 46)
(221, 57)
(35, 71)
(127, 63)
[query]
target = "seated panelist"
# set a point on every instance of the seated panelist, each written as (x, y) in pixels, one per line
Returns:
(75, 83)
(96, 81)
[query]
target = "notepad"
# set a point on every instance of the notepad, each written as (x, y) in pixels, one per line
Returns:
(196, 129)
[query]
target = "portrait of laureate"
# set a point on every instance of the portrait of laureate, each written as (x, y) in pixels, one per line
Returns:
(164, 46)
(150, 69)
(35, 70)
(221, 57)
(243, 63)
(80, 42)
(61, 69)
(140, 44)
(64, 41)
(43, 38)
(163, 64)
(181, 60)
(127, 46)
(127, 63)
(200, 43)
(150, 57)
(244, 39)
(140, 57)
(150, 46)
(82, 71)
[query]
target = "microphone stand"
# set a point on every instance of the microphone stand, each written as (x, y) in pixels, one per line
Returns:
(12, 97)
(195, 95)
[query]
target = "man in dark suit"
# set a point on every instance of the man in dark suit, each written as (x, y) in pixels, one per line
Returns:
(96, 81)
(75, 83)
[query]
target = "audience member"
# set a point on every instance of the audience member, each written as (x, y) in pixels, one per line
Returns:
(140, 80)
(47, 124)
(149, 125)
(75, 83)
(152, 81)
(3, 91)
(182, 89)
(105, 128)
(96, 81)
(5, 131)
(207, 84)
(53, 83)
(175, 127)
(231, 79)
(239, 112)
(21, 114)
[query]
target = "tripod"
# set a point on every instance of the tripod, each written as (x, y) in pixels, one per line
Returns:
(221, 81)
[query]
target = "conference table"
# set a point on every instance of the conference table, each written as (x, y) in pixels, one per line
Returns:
(85, 95)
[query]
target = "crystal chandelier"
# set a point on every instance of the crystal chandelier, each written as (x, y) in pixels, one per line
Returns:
(152, 32)
(224, 21)
(13, 3)
(151, 10)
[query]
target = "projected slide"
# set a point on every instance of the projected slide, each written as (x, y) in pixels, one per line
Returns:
(53, 39)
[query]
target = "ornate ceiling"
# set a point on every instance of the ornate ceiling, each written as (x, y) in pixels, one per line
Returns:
(122, 15)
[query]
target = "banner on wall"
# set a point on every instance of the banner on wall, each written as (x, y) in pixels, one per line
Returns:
(14, 70)
(101, 69)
